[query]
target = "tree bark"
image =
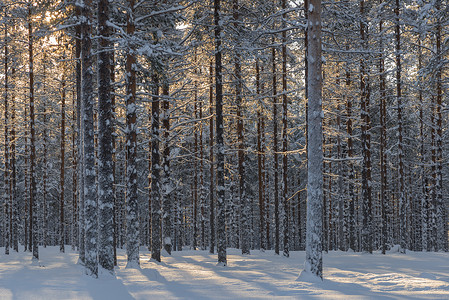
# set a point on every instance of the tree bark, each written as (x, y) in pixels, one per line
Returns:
(245, 229)
(367, 231)
(286, 220)
(155, 174)
(275, 151)
(132, 221)
(314, 260)
(90, 187)
(221, 207)
(62, 166)
(211, 158)
(105, 151)
(167, 185)
(33, 237)
(401, 188)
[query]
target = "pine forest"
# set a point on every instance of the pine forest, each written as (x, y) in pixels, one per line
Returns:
(168, 125)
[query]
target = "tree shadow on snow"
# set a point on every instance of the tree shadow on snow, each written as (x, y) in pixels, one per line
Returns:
(182, 291)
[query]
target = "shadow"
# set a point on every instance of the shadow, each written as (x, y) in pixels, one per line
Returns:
(179, 290)
(229, 272)
(110, 288)
(56, 276)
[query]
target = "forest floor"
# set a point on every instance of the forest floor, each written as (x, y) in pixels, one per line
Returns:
(195, 275)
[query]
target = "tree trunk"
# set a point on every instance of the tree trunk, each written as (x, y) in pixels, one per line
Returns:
(441, 222)
(7, 190)
(90, 187)
(195, 164)
(221, 207)
(33, 238)
(13, 179)
(383, 142)
(167, 185)
(401, 188)
(132, 221)
(27, 217)
(367, 231)
(211, 158)
(275, 151)
(155, 174)
(260, 154)
(286, 222)
(62, 166)
(422, 222)
(74, 230)
(80, 126)
(245, 228)
(105, 151)
(114, 161)
(314, 261)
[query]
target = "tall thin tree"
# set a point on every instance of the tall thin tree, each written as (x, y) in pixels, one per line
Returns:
(90, 187)
(33, 237)
(314, 259)
(221, 224)
(132, 225)
(105, 132)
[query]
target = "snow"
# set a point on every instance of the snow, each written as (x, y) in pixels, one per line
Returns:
(195, 275)
(311, 8)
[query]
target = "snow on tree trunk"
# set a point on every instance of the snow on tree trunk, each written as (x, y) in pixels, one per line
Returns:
(275, 151)
(105, 131)
(211, 158)
(401, 188)
(383, 141)
(245, 209)
(195, 165)
(33, 174)
(260, 172)
(167, 184)
(80, 139)
(422, 205)
(441, 222)
(155, 175)
(132, 219)
(367, 232)
(285, 202)
(114, 164)
(73, 225)
(221, 207)
(90, 188)
(13, 181)
(314, 260)
(62, 166)
(6, 190)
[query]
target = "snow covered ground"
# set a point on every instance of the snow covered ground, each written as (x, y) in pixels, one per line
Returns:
(194, 275)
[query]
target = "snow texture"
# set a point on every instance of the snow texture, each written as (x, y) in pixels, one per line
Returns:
(194, 275)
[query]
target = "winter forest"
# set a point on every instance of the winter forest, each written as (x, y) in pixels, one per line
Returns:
(169, 126)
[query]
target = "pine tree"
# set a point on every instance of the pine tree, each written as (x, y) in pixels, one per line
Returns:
(105, 131)
(33, 230)
(62, 166)
(402, 200)
(221, 229)
(286, 223)
(132, 225)
(242, 188)
(314, 264)
(211, 158)
(167, 184)
(7, 191)
(367, 232)
(90, 188)
(155, 173)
